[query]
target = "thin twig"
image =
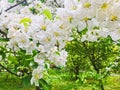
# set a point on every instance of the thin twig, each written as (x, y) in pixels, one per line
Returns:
(57, 3)
(3, 33)
(8, 70)
(16, 5)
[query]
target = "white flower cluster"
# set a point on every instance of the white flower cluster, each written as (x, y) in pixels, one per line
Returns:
(29, 31)
(40, 31)
(101, 17)
(58, 58)
(4, 5)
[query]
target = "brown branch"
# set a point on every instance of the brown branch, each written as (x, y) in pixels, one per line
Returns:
(3, 33)
(24, 1)
(8, 70)
(92, 58)
(57, 3)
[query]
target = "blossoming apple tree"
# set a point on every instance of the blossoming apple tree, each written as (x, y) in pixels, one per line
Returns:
(34, 34)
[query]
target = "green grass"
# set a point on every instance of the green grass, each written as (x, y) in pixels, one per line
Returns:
(10, 82)
(63, 82)
(60, 81)
(112, 83)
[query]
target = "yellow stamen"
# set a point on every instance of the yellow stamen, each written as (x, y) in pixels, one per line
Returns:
(104, 6)
(36, 76)
(74, 8)
(113, 17)
(70, 18)
(47, 39)
(23, 41)
(61, 27)
(85, 19)
(43, 27)
(56, 34)
(87, 5)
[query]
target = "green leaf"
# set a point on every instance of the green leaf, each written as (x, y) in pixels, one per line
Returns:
(26, 80)
(4, 39)
(47, 13)
(33, 10)
(45, 85)
(25, 21)
(12, 59)
(11, 1)
(84, 31)
(42, 1)
(3, 54)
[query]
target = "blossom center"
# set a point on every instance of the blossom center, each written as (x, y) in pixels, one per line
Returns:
(56, 34)
(70, 18)
(104, 6)
(87, 5)
(43, 27)
(113, 18)
(47, 39)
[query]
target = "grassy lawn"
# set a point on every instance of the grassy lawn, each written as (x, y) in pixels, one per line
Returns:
(8, 82)
(112, 83)
(64, 83)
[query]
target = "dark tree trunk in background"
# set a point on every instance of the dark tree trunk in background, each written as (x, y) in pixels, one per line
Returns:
(38, 88)
(101, 85)
(76, 72)
(96, 68)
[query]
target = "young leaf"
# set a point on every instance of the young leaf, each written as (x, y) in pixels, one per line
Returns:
(26, 80)
(84, 31)
(12, 59)
(47, 13)
(11, 1)
(25, 21)
(42, 1)
(44, 85)
(4, 39)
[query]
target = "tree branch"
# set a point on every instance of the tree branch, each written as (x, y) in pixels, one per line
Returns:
(8, 70)
(92, 58)
(3, 33)
(57, 3)
(24, 1)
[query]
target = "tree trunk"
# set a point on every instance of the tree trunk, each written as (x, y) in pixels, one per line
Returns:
(76, 72)
(38, 88)
(101, 85)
